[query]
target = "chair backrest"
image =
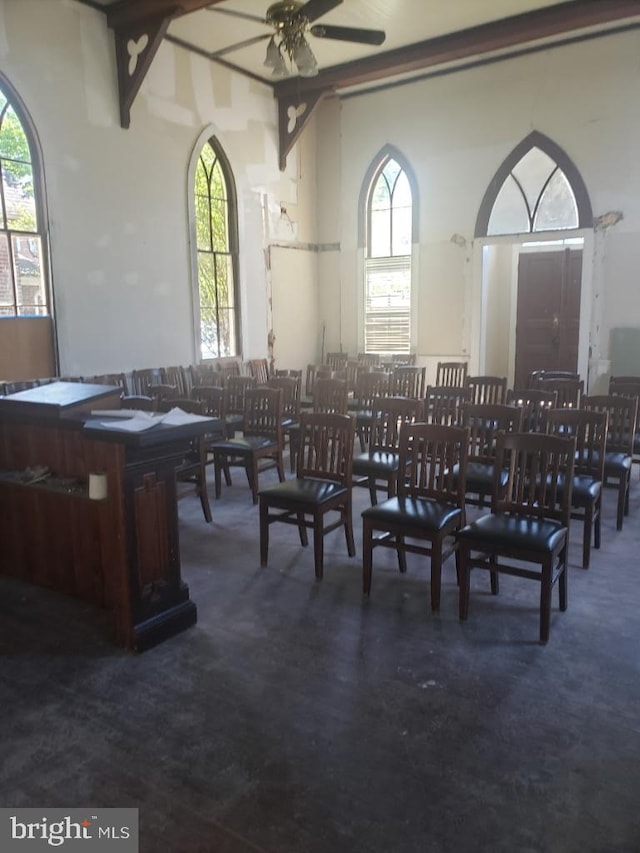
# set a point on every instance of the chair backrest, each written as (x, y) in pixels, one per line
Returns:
(535, 404)
(162, 393)
(623, 417)
(178, 377)
(443, 404)
(487, 389)
(626, 386)
(337, 360)
(290, 387)
(569, 391)
(408, 381)
(400, 358)
(540, 475)
(213, 398)
(237, 387)
(314, 372)
(117, 379)
(369, 386)
(485, 421)
(259, 369)
(205, 374)
(589, 428)
(451, 373)
(433, 462)
(142, 380)
(388, 415)
(370, 359)
(537, 376)
(263, 413)
(326, 447)
(285, 371)
(331, 395)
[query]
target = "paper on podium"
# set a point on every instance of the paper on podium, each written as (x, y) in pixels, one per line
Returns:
(177, 417)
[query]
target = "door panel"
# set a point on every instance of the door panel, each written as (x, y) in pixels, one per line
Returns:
(548, 312)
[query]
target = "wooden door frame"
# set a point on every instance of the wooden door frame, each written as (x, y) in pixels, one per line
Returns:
(478, 308)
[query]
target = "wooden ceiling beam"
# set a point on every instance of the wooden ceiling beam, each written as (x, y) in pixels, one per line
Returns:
(463, 44)
(126, 13)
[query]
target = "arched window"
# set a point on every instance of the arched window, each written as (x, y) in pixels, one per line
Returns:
(23, 287)
(537, 188)
(389, 226)
(217, 251)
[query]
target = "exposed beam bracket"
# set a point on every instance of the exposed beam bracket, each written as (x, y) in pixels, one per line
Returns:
(294, 111)
(136, 45)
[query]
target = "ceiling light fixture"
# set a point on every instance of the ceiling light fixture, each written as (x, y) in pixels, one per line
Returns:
(289, 40)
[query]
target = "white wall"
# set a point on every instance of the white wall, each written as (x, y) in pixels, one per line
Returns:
(456, 130)
(118, 199)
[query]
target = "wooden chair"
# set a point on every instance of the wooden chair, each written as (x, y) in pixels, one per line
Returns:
(369, 386)
(535, 404)
(214, 400)
(537, 376)
(529, 520)
(443, 404)
(408, 381)
(368, 359)
(206, 373)
(193, 468)
(314, 372)
(628, 386)
(330, 396)
(451, 373)
(142, 380)
(378, 467)
(259, 369)
(322, 486)
(487, 389)
(162, 393)
(429, 506)
(117, 379)
(569, 391)
(180, 378)
(621, 430)
(484, 421)
(589, 428)
(290, 386)
(261, 446)
(337, 360)
(142, 402)
(237, 387)
(403, 358)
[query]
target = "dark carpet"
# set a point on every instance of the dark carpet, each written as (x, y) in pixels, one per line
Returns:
(297, 718)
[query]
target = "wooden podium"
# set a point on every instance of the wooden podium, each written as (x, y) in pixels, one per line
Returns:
(120, 552)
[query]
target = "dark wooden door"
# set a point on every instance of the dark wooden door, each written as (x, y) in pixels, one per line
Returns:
(548, 312)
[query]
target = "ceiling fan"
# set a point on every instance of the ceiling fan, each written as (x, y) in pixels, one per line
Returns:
(291, 21)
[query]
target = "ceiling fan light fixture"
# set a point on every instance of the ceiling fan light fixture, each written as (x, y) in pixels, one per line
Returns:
(280, 69)
(273, 54)
(304, 59)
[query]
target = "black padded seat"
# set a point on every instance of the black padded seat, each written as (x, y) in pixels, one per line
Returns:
(304, 492)
(514, 533)
(480, 478)
(585, 489)
(408, 512)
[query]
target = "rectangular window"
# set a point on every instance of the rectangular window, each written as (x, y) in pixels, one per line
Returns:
(387, 326)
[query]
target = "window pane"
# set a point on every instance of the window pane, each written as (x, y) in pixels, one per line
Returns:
(227, 337)
(203, 223)
(6, 286)
(17, 185)
(532, 173)
(224, 281)
(219, 229)
(509, 214)
(381, 197)
(208, 333)
(401, 231)
(13, 141)
(27, 254)
(558, 208)
(387, 305)
(391, 171)
(380, 234)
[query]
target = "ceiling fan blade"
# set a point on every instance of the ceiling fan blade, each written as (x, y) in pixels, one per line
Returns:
(243, 15)
(238, 45)
(314, 9)
(348, 34)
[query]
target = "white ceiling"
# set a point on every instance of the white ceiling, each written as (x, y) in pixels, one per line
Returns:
(405, 22)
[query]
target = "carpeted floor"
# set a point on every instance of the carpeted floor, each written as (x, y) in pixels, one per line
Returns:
(297, 718)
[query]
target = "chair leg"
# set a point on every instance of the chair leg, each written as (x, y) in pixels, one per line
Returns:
(622, 497)
(280, 467)
(464, 580)
(493, 576)
(348, 529)
(373, 495)
(318, 544)
(586, 536)
(204, 497)
(217, 467)
(596, 528)
(302, 530)
(563, 580)
(367, 555)
(264, 532)
(402, 556)
(545, 600)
